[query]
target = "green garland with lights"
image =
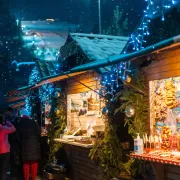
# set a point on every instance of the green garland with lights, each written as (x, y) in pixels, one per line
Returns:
(58, 120)
(109, 152)
(136, 96)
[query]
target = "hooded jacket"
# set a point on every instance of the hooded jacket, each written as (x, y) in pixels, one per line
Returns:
(28, 134)
(4, 131)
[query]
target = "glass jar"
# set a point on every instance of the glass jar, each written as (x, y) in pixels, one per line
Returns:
(173, 143)
(166, 135)
(178, 142)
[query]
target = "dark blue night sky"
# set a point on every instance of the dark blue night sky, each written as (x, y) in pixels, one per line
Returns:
(76, 10)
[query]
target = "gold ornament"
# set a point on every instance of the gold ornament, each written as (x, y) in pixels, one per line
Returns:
(130, 111)
(128, 79)
(57, 112)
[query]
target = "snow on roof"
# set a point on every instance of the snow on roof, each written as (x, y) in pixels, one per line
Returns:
(99, 47)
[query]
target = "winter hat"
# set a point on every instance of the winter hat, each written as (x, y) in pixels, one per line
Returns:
(24, 113)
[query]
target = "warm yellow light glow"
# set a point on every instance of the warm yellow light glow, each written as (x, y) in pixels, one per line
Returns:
(52, 20)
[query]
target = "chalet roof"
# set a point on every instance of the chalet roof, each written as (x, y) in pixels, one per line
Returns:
(165, 44)
(17, 104)
(47, 68)
(93, 46)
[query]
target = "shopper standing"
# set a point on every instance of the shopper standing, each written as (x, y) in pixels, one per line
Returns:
(29, 138)
(5, 129)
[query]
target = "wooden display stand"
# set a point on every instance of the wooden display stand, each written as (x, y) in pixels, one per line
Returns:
(158, 163)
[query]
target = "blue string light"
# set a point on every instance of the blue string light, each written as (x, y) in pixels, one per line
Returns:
(137, 41)
(137, 38)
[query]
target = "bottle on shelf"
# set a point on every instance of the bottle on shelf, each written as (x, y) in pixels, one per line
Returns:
(138, 145)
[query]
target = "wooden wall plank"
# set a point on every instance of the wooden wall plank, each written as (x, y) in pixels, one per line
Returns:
(79, 86)
(74, 87)
(165, 65)
(165, 61)
(80, 90)
(88, 75)
(75, 83)
(83, 168)
(163, 75)
(164, 68)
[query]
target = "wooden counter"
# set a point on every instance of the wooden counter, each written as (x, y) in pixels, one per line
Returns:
(157, 159)
(74, 143)
(81, 166)
(164, 168)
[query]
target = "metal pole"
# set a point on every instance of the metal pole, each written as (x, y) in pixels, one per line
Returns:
(99, 9)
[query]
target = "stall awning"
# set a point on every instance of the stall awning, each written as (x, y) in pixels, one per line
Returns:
(126, 57)
(15, 98)
(18, 104)
(52, 79)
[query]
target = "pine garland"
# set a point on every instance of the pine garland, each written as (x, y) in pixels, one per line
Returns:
(109, 152)
(58, 121)
(139, 100)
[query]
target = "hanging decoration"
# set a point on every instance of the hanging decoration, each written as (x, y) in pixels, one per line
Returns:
(128, 79)
(57, 111)
(57, 94)
(130, 111)
(110, 82)
(105, 111)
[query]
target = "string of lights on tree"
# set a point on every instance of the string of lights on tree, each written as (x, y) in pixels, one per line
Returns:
(137, 39)
(110, 81)
(34, 76)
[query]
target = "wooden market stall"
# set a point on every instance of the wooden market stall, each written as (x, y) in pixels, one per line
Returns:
(160, 65)
(84, 107)
(164, 69)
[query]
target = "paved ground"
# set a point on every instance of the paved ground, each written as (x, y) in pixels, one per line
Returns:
(9, 178)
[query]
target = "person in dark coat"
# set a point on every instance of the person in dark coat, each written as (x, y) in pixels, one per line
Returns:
(29, 137)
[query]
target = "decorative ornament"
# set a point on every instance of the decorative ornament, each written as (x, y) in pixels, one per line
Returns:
(130, 111)
(105, 111)
(57, 111)
(128, 79)
(57, 94)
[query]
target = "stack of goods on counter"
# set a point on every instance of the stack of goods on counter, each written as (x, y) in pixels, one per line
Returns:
(170, 98)
(84, 140)
(178, 124)
(166, 134)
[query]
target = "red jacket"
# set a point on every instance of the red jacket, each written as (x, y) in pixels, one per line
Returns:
(4, 131)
